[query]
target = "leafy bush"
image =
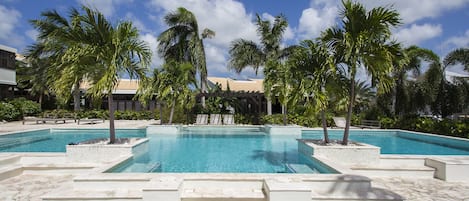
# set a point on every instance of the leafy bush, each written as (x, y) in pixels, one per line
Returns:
(301, 120)
(456, 128)
(387, 122)
(9, 112)
(92, 114)
(244, 118)
(26, 107)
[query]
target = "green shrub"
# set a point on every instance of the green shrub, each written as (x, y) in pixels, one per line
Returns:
(387, 122)
(9, 112)
(26, 107)
(301, 120)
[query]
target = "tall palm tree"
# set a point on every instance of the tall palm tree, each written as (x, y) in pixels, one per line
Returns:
(115, 49)
(183, 42)
(57, 35)
(315, 63)
(412, 61)
(362, 39)
(245, 53)
(444, 95)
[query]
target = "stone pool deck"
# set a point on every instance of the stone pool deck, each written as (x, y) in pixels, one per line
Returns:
(18, 125)
(32, 185)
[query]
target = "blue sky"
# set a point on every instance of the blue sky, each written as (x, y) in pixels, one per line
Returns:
(434, 24)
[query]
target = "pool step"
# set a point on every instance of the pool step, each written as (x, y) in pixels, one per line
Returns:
(114, 195)
(397, 166)
(144, 187)
(402, 160)
(225, 194)
(373, 194)
(10, 171)
(9, 160)
(412, 172)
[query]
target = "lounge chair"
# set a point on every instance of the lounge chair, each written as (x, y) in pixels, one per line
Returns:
(36, 119)
(339, 122)
(228, 119)
(215, 119)
(90, 121)
(202, 119)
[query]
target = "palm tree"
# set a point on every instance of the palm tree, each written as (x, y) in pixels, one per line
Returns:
(411, 61)
(460, 55)
(34, 76)
(115, 49)
(245, 53)
(281, 81)
(316, 66)
(170, 84)
(362, 40)
(57, 36)
(183, 42)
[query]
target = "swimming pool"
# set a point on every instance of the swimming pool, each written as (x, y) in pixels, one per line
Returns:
(55, 140)
(231, 149)
(400, 142)
(248, 150)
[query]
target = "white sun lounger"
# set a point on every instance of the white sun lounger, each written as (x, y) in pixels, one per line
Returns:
(90, 121)
(202, 119)
(228, 119)
(339, 122)
(215, 119)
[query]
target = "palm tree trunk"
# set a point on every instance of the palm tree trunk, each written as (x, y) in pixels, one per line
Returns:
(349, 111)
(324, 126)
(171, 114)
(203, 87)
(284, 107)
(76, 97)
(112, 131)
(40, 100)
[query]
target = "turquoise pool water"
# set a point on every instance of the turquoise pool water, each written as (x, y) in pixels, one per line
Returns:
(236, 149)
(223, 150)
(55, 140)
(400, 142)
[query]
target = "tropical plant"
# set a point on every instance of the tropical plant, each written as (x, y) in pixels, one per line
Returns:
(410, 61)
(182, 42)
(34, 76)
(58, 47)
(281, 81)
(316, 70)
(116, 49)
(362, 39)
(245, 53)
(174, 84)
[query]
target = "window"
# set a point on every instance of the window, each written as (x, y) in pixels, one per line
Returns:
(7, 60)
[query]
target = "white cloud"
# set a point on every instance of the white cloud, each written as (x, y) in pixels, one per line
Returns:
(315, 20)
(150, 39)
(137, 22)
(9, 19)
(414, 10)
(106, 7)
(458, 41)
(227, 18)
(416, 34)
(32, 33)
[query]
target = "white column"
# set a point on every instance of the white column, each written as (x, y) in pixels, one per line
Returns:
(269, 107)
